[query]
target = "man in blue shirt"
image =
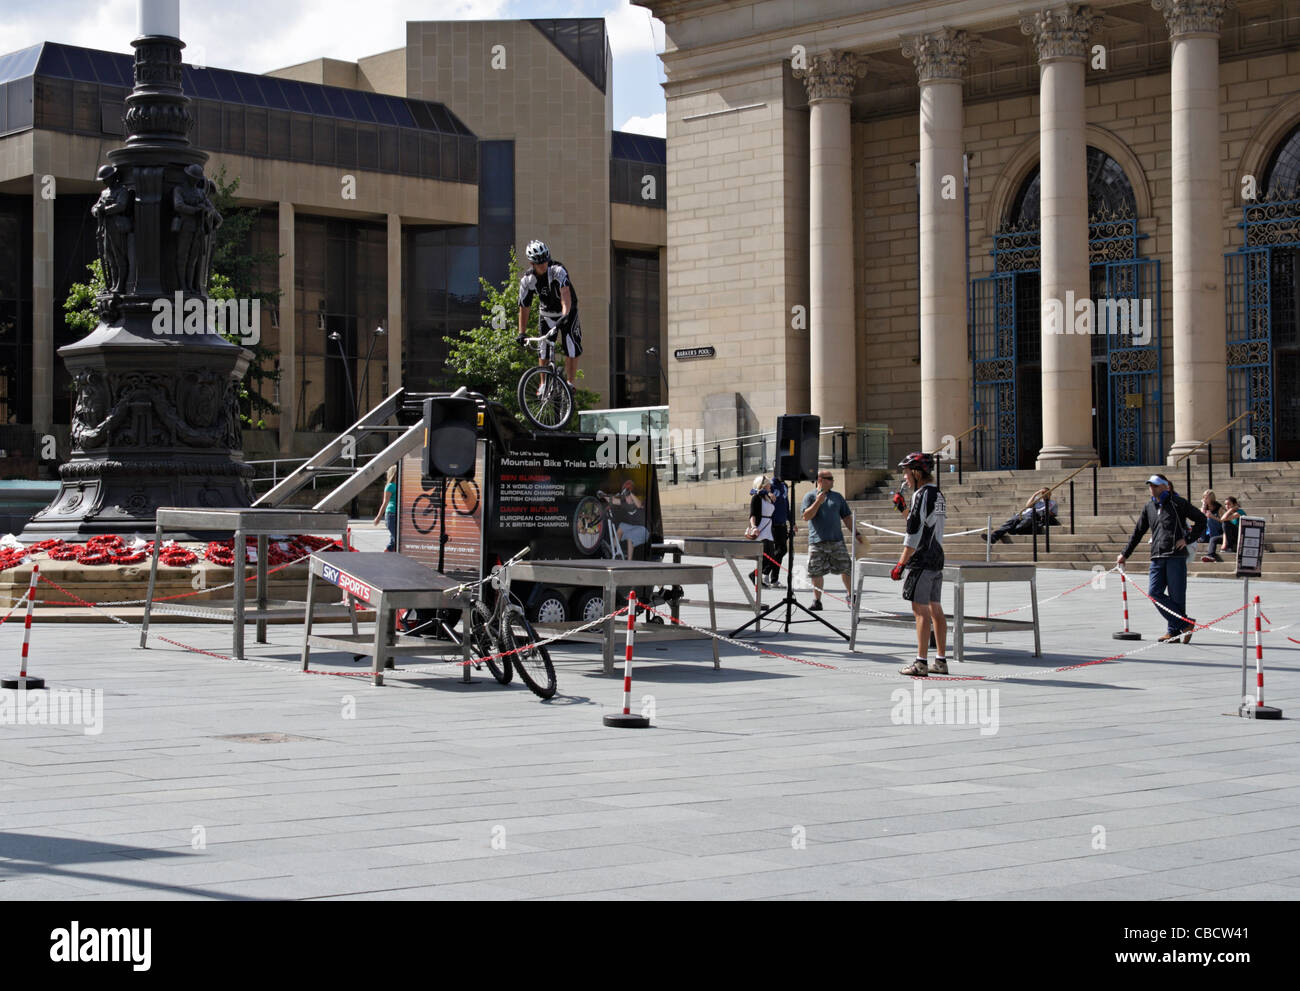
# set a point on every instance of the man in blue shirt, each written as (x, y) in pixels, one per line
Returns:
(825, 511)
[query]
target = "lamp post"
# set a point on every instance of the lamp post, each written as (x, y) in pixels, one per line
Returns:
(337, 338)
(654, 352)
(157, 419)
(365, 375)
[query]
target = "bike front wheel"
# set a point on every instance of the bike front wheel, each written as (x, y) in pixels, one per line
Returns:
(531, 658)
(486, 641)
(545, 399)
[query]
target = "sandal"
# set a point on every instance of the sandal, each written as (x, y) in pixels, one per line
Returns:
(917, 669)
(939, 666)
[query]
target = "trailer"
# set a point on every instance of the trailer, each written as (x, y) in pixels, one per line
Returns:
(563, 496)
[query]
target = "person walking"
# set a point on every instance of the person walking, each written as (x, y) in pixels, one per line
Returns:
(1166, 516)
(388, 508)
(825, 512)
(782, 527)
(762, 506)
(922, 560)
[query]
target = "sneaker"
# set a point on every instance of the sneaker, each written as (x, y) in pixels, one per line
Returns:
(1207, 559)
(916, 669)
(939, 666)
(816, 606)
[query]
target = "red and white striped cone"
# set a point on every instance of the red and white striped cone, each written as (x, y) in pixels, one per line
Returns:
(1126, 633)
(1259, 710)
(627, 719)
(22, 681)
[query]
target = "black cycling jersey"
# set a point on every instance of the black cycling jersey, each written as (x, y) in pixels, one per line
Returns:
(547, 289)
(925, 528)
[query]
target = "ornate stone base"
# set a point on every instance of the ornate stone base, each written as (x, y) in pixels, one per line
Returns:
(1064, 457)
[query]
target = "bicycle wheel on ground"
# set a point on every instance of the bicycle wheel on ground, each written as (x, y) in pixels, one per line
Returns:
(532, 659)
(545, 399)
(486, 641)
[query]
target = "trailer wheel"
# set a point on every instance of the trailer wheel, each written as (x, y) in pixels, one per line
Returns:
(549, 606)
(588, 605)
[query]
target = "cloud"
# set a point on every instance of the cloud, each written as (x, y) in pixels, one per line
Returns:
(655, 125)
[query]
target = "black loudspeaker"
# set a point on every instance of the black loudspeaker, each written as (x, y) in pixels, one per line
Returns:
(798, 447)
(450, 437)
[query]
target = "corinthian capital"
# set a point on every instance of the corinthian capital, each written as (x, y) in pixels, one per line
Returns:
(940, 55)
(832, 75)
(1186, 17)
(1061, 32)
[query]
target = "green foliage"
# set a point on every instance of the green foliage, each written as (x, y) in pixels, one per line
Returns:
(236, 274)
(488, 359)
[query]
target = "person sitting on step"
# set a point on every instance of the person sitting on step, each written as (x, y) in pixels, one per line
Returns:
(1040, 505)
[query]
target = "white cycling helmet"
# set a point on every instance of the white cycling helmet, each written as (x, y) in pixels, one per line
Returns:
(537, 252)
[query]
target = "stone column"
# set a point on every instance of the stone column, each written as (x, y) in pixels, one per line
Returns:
(1061, 36)
(830, 79)
(1200, 331)
(940, 60)
(395, 316)
(42, 313)
(289, 384)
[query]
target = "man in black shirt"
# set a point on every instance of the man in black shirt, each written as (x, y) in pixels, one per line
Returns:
(548, 281)
(922, 558)
(1166, 516)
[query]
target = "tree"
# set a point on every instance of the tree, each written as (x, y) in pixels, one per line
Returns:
(488, 359)
(235, 275)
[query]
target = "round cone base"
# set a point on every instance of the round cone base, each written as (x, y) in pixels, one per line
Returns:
(20, 683)
(1261, 712)
(623, 720)
(1125, 635)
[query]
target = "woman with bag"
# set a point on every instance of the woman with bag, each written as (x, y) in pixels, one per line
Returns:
(761, 506)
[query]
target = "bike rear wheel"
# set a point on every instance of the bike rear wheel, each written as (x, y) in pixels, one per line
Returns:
(486, 641)
(545, 399)
(532, 659)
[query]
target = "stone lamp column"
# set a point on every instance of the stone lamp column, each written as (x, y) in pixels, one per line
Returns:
(157, 419)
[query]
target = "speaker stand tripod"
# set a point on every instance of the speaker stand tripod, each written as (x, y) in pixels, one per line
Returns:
(790, 602)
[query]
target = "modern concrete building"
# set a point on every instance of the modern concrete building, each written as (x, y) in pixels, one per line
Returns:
(385, 187)
(874, 208)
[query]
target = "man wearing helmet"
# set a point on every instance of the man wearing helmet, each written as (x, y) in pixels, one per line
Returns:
(922, 558)
(548, 281)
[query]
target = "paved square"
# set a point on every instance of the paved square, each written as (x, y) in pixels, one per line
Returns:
(767, 779)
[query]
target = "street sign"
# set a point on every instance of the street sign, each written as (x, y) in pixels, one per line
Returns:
(1250, 546)
(687, 354)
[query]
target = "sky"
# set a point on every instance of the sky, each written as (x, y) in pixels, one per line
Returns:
(260, 35)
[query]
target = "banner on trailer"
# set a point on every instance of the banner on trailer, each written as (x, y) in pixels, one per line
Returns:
(422, 504)
(565, 496)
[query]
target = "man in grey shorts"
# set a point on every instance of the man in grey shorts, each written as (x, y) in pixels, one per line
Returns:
(922, 559)
(826, 512)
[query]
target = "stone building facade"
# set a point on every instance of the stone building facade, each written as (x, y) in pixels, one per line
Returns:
(874, 205)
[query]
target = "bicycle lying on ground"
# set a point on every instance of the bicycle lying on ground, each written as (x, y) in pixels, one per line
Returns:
(502, 634)
(544, 396)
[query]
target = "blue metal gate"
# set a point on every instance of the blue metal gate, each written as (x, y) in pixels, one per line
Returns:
(1129, 317)
(993, 350)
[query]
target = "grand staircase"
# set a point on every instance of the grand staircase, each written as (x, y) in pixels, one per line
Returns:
(1266, 490)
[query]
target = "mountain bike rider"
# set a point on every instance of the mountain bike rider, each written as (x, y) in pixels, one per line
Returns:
(548, 281)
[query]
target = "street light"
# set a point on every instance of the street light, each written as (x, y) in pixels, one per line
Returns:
(337, 338)
(365, 375)
(654, 352)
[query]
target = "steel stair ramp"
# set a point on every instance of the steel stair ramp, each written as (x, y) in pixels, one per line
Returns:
(331, 457)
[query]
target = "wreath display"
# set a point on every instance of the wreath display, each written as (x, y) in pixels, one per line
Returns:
(110, 549)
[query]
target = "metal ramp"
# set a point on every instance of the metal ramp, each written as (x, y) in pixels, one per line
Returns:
(333, 455)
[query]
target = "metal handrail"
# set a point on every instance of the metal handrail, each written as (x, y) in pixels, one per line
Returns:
(1227, 426)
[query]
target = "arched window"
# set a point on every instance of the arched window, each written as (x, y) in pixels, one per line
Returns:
(1109, 192)
(1282, 177)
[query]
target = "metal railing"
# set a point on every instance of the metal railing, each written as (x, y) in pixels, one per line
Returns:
(1185, 459)
(756, 454)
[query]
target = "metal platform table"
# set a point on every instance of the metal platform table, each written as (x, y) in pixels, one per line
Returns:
(242, 522)
(386, 583)
(959, 574)
(731, 550)
(611, 576)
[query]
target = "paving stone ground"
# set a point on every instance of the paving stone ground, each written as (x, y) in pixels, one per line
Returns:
(767, 779)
